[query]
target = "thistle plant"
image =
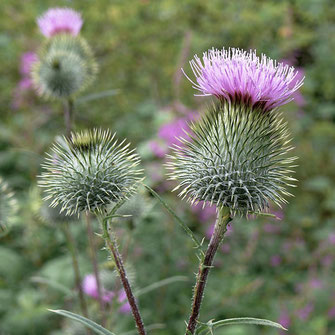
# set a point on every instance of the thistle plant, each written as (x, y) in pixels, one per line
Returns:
(87, 173)
(8, 207)
(65, 68)
(237, 154)
(66, 65)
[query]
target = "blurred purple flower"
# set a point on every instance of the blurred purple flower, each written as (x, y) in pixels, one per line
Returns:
(331, 238)
(25, 84)
(27, 61)
(272, 228)
(60, 20)
(275, 260)
(90, 288)
(284, 319)
(204, 214)
(169, 134)
(327, 261)
(237, 75)
(125, 307)
(304, 313)
(315, 283)
(158, 150)
(331, 313)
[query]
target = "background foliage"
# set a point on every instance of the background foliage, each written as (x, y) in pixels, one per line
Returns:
(279, 270)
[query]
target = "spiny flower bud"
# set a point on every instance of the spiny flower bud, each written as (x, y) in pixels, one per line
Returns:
(66, 66)
(89, 171)
(236, 154)
(8, 206)
(235, 158)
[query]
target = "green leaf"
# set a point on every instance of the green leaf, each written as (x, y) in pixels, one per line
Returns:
(53, 284)
(210, 325)
(159, 284)
(178, 219)
(84, 321)
(96, 96)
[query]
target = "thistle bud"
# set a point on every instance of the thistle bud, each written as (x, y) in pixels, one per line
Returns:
(66, 67)
(236, 154)
(89, 171)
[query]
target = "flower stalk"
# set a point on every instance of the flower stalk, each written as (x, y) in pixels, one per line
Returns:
(95, 266)
(75, 265)
(205, 265)
(111, 244)
(68, 116)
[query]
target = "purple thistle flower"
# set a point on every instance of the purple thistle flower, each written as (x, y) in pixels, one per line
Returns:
(204, 212)
(331, 313)
(90, 288)
(235, 75)
(125, 307)
(27, 60)
(60, 20)
(170, 134)
(284, 319)
(305, 312)
(275, 260)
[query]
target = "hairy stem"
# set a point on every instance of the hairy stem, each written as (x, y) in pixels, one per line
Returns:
(205, 266)
(68, 116)
(111, 243)
(94, 261)
(77, 278)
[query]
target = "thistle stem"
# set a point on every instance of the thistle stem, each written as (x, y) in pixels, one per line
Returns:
(205, 265)
(77, 278)
(94, 261)
(68, 116)
(111, 243)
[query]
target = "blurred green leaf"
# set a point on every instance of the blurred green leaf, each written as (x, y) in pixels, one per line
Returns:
(86, 322)
(209, 326)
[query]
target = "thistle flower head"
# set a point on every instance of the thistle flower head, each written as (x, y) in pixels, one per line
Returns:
(65, 67)
(60, 20)
(234, 75)
(27, 60)
(8, 206)
(89, 171)
(235, 158)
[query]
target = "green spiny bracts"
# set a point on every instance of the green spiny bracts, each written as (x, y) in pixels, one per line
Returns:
(66, 67)
(71, 44)
(236, 157)
(8, 206)
(89, 171)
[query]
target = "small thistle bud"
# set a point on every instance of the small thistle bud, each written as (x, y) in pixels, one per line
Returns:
(236, 154)
(59, 75)
(8, 206)
(89, 171)
(66, 66)
(60, 20)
